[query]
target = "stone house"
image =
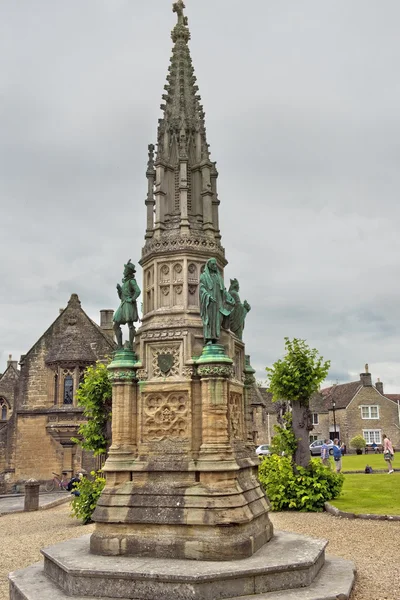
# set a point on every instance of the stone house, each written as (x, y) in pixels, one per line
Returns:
(42, 415)
(342, 410)
(266, 413)
(358, 408)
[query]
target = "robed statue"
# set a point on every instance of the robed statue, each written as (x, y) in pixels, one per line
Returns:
(127, 312)
(216, 303)
(239, 312)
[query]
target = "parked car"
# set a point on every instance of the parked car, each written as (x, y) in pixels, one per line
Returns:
(315, 447)
(263, 450)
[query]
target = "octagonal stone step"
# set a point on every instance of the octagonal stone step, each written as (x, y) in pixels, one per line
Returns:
(287, 561)
(335, 580)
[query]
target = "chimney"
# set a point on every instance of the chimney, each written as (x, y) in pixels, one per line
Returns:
(106, 322)
(12, 363)
(379, 386)
(366, 378)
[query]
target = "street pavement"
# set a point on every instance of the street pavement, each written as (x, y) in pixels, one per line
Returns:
(15, 502)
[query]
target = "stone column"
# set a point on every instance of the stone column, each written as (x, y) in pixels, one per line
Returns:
(249, 381)
(207, 196)
(215, 369)
(67, 458)
(31, 495)
(123, 375)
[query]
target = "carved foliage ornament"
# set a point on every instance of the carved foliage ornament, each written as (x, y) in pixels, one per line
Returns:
(169, 245)
(115, 376)
(215, 371)
(249, 379)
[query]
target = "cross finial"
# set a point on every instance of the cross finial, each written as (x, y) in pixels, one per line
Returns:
(178, 8)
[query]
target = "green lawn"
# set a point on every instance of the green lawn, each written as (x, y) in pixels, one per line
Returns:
(378, 494)
(355, 462)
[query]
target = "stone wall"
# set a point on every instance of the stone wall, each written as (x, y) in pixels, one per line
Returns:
(388, 415)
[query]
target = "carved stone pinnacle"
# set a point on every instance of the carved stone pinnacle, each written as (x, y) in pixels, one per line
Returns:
(178, 8)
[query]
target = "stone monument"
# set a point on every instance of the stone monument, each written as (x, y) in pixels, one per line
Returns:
(182, 514)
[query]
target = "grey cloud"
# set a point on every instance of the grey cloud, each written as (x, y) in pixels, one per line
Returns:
(302, 116)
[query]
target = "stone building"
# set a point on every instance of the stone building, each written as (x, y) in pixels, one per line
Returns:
(39, 399)
(264, 415)
(9, 383)
(358, 408)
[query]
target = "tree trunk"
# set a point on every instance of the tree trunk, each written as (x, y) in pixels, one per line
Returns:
(302, 426)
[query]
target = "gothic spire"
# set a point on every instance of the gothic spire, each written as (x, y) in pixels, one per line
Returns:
(182, 194)
(183, 120)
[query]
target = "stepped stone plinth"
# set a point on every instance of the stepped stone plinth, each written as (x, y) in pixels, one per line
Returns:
(182, 515)
(206, 505)
(290, 566)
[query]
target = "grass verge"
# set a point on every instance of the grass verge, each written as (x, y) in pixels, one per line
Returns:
(377, 494)
(355, 462)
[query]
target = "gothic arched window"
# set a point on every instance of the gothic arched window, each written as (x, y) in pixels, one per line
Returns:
(68, 390)
(3, 409)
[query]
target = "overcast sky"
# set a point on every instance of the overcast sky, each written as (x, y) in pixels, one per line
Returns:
(302, 108)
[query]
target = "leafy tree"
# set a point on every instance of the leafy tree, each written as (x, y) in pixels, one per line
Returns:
(94, 395)
(284, 441)
(295, 378)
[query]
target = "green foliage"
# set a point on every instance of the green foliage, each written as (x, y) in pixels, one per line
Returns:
(298, 375)
(298, 488)
(82, 506)
(284, 440)
(94, 394)
(358, 442)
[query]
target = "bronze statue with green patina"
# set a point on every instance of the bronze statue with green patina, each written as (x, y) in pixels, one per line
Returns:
(239, 312)
(216, 303)
(127, 312)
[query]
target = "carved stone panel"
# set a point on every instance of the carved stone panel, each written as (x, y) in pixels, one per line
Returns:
(178, 275)
(235, 416)
(165, 417)
(165, 360)
(193, 282)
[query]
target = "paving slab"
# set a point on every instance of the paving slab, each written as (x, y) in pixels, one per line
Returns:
(15, 503)
(334, 581)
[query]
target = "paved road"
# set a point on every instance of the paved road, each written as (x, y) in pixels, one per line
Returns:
(15, 502)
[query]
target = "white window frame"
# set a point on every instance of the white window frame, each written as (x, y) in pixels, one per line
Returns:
(369, 417)
(315, 418)
(313, 436)
(376, 436)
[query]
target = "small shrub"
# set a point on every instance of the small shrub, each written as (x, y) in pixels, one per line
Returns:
(305, 489)
(82, 506)
(358, 443)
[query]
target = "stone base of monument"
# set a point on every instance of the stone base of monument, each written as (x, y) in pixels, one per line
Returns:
(290, 566)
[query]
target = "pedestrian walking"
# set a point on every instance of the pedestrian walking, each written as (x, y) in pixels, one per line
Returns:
(388, 453)
(337, 455)
(325, 453)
